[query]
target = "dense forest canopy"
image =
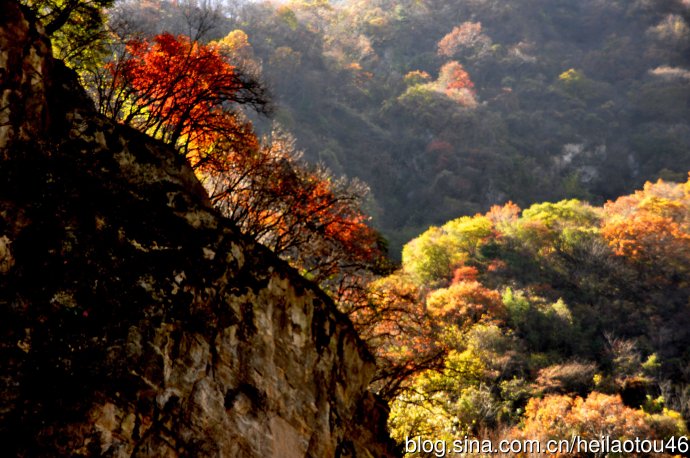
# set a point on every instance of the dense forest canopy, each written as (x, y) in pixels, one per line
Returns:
(448, 107)
(559, 320)
(526, 159)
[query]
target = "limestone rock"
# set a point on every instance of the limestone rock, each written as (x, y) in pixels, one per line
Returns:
(135, 321)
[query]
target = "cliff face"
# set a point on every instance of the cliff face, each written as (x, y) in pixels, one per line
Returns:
(134, 320)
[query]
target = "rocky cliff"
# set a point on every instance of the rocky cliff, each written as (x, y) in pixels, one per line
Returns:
(134, 320)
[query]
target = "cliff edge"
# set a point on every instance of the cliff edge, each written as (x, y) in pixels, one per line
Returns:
(134, 320)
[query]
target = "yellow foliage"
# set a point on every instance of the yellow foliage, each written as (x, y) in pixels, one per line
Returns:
(571, 76)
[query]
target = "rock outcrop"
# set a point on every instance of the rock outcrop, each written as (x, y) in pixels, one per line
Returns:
(135, 321)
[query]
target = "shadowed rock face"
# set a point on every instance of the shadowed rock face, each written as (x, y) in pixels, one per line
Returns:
(134, 321)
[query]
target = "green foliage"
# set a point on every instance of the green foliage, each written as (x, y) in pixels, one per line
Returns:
(76, 29)
(667, 423)
(430, 258)
(570, 212)
(468, 233)
(573, 74)
(545, 326)
(652, 365)
(413, 415)
(459, 399)
(416, 78)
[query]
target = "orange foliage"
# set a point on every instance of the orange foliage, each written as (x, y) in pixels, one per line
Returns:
(454, 76)
(236, 43)
(187, 94)
(416, 77)
(455, 82)
(465, 303)
(506, 213)
(302, 214)
(467, 34)
(465, 273)
(398, 329)
(560, 417)
(496, 265)
(651, 226)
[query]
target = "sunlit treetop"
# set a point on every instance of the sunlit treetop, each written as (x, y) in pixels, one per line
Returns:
(652, 225)
(184, 92)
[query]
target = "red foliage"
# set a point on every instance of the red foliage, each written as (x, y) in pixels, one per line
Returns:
(302, 214)
(455, 82)
(465, 273)
(179, 81)
(455, 77)
(188, 94)
(183, 92)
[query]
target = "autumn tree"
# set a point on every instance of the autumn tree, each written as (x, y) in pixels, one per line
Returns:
(516, 303)
(465, 303)
(455, 82)
(559, 417)
(191, 96)
(652, 227)
(548, 228)
(303, 214)
(237, 50)
(465, 38)
(412, 330)
(183, 92)
(434, 256)
(435, 291)
(459, 395)
(400, 332)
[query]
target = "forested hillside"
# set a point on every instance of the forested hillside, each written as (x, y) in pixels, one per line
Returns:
(559, 320)
(526, 163)
(446, 107)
